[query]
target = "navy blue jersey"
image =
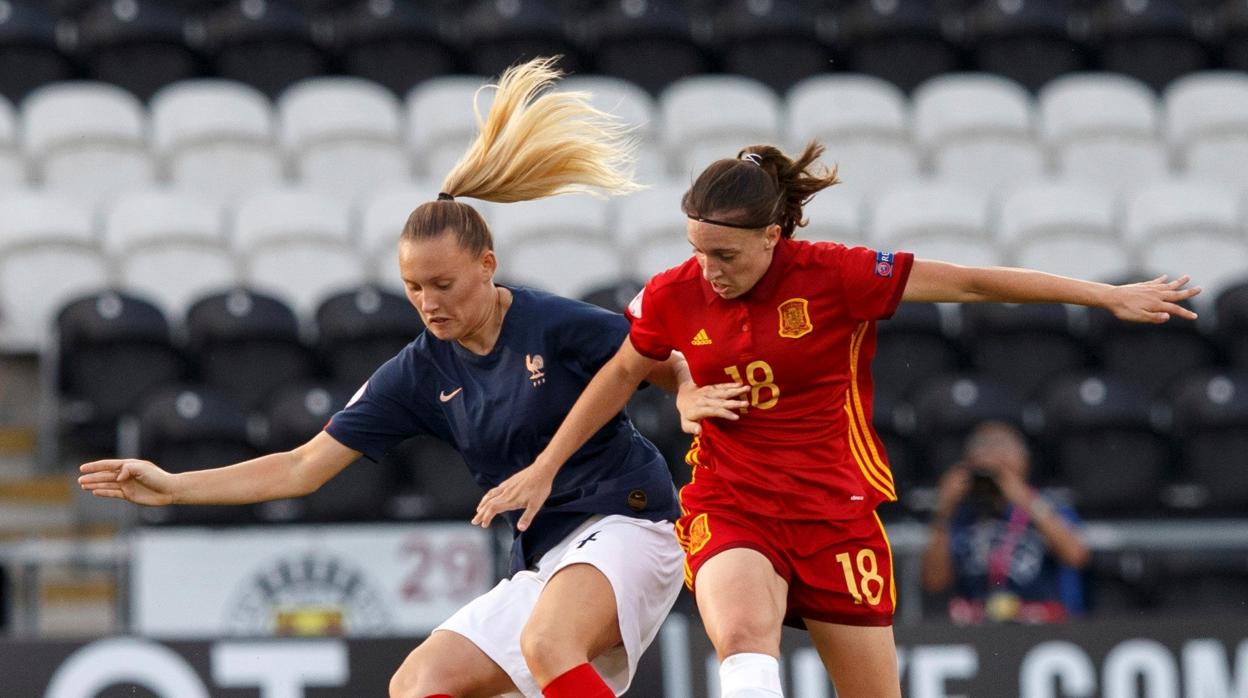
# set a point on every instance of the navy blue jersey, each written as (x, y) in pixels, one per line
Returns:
(500, 410)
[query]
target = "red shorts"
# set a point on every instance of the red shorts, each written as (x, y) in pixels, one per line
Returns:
(837, 571)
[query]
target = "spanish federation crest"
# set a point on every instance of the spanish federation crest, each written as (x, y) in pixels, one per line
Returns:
(794, 318)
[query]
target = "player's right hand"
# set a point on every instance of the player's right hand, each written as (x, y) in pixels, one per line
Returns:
(138, 481)
(720, 400)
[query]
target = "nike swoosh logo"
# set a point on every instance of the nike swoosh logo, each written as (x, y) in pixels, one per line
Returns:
(446, 397)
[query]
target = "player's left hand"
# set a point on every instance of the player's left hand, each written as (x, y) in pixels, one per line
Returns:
(721, 400)
(1155, 301)
(527, 489)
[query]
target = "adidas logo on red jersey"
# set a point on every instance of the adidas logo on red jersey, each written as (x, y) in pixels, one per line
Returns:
(701, 339)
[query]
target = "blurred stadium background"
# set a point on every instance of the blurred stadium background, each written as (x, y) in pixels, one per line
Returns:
(198, 206)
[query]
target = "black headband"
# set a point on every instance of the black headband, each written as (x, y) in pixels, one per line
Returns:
(712, 221)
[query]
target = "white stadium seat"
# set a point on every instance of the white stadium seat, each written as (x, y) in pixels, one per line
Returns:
(440, 121)
(216, 138)
(635, 108)
(1065, 228)
(978, 130)
(1207, 124)
(1103, 128)
(87, 139)
(382, 217)
(170, 247)
(48, 255)
(1188, 227)
(710, 117)
(12, 167)
(863, 121)
(569, 265)
(574, 214)
(835, 215)
(934, 220)
(650, 218)
(296, 244)
(343, 134)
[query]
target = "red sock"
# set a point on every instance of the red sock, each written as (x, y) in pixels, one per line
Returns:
(578, 682)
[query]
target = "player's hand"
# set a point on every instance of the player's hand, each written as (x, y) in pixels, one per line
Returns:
(138, 481)
(720, 400)
(527, 489)
(1154, 301)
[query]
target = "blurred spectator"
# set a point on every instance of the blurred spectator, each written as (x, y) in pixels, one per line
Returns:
(1007, 552)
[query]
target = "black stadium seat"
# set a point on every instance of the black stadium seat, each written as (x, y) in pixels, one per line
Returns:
(113, 349)
(29, 53)
(396, 44)
(496, 35)
(268, 45)
(1211, 425)
(1027, 40)
(910, 347)
(1151, 355)
(650, 43)
(614, 297)
(946, 409)
(434, 482)
(1233, 18)
(185, 427)
(246, 345)
(1231, 312)
(1101, 434)
(1022, 346)
(139, 45)
(361, 329)
(774, 42)
(901, 41)
(1153, 41)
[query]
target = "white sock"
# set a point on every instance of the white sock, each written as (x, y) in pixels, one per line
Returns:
(750, 675)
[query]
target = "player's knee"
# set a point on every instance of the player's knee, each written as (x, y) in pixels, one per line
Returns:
(414, 679)
(745, 635)
(544, 649)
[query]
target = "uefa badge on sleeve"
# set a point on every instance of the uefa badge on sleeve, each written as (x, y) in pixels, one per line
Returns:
(884, 264)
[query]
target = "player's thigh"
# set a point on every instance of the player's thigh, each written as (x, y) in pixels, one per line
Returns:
(742, 601)
(448, 662)
(862, 659)
(576, 609)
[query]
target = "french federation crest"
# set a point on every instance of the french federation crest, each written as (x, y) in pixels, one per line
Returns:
(795, 318)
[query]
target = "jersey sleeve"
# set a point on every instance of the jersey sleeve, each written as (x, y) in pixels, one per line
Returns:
(588, 336)
(872, 281)
(645, 327)
(382, 413)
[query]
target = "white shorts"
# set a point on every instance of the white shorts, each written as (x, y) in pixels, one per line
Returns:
(640, 558)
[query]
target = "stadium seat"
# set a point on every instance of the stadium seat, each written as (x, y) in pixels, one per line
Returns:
(864, 123)
(572, 215)
(912, 345)
(29, 52)
(497, 35)
(776, 42)
(901, 41)
(298, 412)
(948, 406)
(48, 254)
(434, 482)
(834, 215)
(935, 220)
(246, 345)
(1231, 313)
(185, 427)
(1026, 41)
(1207, 124)
(169, 247)
(1100, 436)
(382, 218)
(650, 217)
(87, 139)
(893, 423)
(636, 109)
(1151, 41)
(12, 166)
(651, 44)
(440, 121)
(138, 45)
(360, 329)
(297, 244)
(216, 138)
(660, 254)
(395, 44)
(653, 411)
(710, 117)
(1150, 355)
(1022, 346)
(343, 134)
(977, 130)
(1211, 424)
(1063, 227)
(614, 297)
(1233, 16)
(1102, 128)
(568, 265)
(269, 45)
(112, 349)
(1187, 227)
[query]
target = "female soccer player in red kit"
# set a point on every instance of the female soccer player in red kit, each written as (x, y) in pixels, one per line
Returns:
(779, 522)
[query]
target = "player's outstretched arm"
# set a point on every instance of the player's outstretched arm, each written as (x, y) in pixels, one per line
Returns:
(275, 476)
(1153, 301)
(603, 398)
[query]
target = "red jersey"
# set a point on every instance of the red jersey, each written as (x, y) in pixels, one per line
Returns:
(802, 338)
